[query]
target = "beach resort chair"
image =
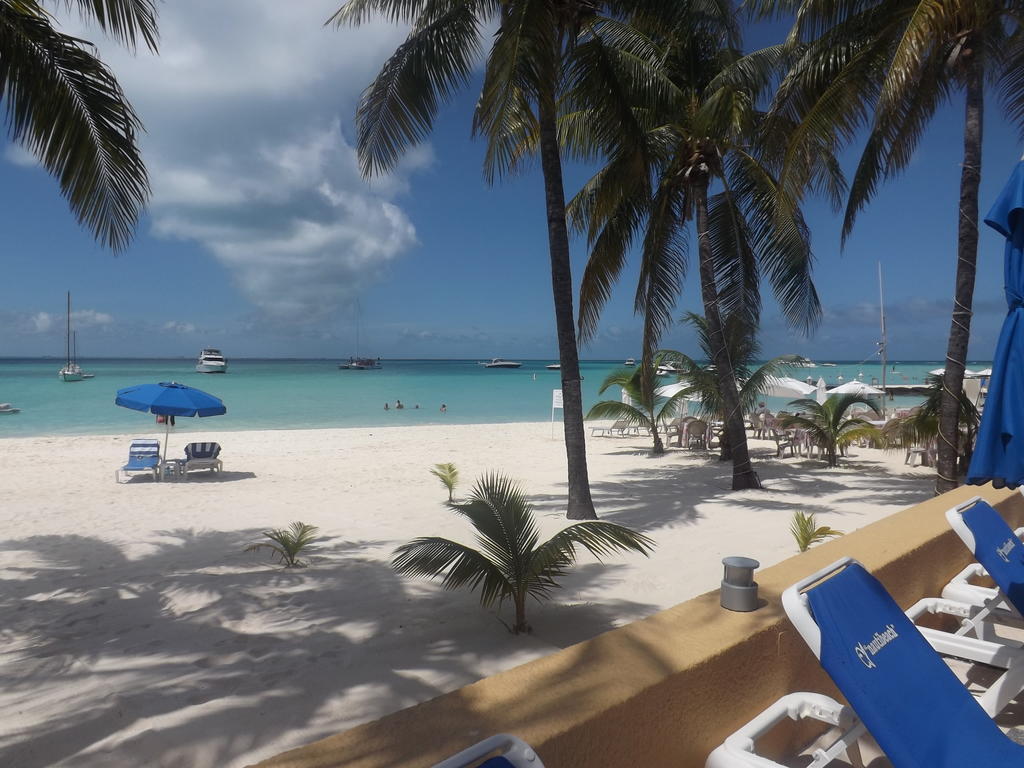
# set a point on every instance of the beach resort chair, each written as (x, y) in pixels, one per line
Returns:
(143, 456)
(903, 693)
(783, 442)
(697, 434)
(202, 456)
(1000, 557)
(514, 753)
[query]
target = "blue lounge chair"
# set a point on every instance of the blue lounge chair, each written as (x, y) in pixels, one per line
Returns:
(913, 705)
(515, 753)
(1000, 556)
(202, 456)
(143, 456)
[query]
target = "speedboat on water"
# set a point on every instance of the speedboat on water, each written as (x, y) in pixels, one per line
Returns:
(667, 369)
(554, 367)
(499, 363)
(211, 361)
(630, 362)
(8, 408)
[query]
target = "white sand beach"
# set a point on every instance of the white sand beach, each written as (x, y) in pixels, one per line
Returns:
(137, 632)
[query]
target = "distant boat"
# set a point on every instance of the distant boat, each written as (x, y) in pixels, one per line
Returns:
(8, 408)
(828, 365)
(211, 361)
(497, 362)
(71, 370)
(358, 363)
(805, 363)
(554, 367)
(667, 369)
(630, 362)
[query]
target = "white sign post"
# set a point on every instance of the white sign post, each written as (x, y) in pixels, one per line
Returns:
(556, 402)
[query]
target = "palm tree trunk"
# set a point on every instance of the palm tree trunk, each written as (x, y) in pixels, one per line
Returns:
(520, 624)
(946, 477)
(743, 475)
(724, 451)
(581, 506)
(659, 446)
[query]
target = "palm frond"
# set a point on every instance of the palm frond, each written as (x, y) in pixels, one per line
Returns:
(807, 532)
(448, 474)
(432, 557)
(287, 543)
(126, 21)
(66, 108)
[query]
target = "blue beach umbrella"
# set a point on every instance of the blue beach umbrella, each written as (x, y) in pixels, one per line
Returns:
(168, 398)
(999, 453)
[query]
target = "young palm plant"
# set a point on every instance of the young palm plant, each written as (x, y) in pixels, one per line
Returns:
(287, 543)
(806, 531)
(922, 426)
(695, 159)
(448, 474)
(646, 408)
(828, 425)
(66, 107)
(510, 563)
(744, 351)
(890, 66)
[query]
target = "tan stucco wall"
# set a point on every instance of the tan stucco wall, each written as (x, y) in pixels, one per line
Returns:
(665, 690)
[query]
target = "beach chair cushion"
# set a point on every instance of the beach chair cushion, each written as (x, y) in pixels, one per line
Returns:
(998, 550)
(202, 450)
(920, 714)
(143, 454)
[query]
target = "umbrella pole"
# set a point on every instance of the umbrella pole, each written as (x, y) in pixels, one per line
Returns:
(167, 430)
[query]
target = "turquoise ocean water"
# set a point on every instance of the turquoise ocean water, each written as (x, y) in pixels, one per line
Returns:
(303, 394)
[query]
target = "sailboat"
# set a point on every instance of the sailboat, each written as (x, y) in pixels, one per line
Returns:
(71, 370)
(358, 363)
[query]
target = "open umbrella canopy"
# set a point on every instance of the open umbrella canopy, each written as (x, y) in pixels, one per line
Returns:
(169, 398)
(786, 386)
(999, 451)
(821, 391)
(855, 388)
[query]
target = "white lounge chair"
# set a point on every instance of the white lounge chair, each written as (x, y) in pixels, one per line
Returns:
(202, 456)
(912, 704)
(143, 456)
(515, 753)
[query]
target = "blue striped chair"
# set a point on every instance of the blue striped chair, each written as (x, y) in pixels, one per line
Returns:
(202, 456)
(143, 456)
(514, 753)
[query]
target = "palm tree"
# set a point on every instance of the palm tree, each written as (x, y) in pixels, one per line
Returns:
(510, 563)
(646, 408)
(448, 474)
(744, 351)
(696, 158)
(538, 45)
(922, 425)
(288, 542)
(806, 531)
(828, 425)
(888, 66)
(65, 107)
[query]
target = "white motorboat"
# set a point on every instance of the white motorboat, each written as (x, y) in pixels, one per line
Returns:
(8, 408)
(71, 371)
(554, 367)
(497, 362)
(630, 362)
(211, 361)
(668, 369)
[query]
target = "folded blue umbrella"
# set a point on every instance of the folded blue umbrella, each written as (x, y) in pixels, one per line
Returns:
(999, 451)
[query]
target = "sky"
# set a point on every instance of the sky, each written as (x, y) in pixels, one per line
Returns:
(262, 239)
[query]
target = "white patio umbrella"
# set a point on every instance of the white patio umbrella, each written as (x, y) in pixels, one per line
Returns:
(821, 391)
(983, 372)
(938, 372)
(785, 386)
(626, 398)
(855, 388)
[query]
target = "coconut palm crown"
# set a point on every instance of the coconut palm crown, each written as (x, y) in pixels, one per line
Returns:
(511, 562)
(828, 425)
(65, 107)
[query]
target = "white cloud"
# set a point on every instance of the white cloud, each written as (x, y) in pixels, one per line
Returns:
(90, 318)
(246, 109)
(178, 327)
(41, 322)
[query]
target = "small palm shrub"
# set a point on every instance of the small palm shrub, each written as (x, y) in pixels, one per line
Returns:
(828, 425)
(448, 474)
(510, 563)
(287, 543)
(806, 531)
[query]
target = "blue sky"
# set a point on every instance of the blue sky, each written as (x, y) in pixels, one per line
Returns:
(261, 234)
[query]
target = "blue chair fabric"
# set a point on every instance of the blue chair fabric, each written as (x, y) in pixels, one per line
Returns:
(998, 550)
(920, 714)
(202, 450)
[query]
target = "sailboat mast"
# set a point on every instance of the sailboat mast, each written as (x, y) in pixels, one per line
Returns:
(67, 335)
(357, 329)
(884, 342)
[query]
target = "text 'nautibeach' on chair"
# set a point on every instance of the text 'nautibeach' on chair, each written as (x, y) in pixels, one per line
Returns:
(1000, 557)
(143, 456)
(501, 751)
(903, 693)
(202, 456)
